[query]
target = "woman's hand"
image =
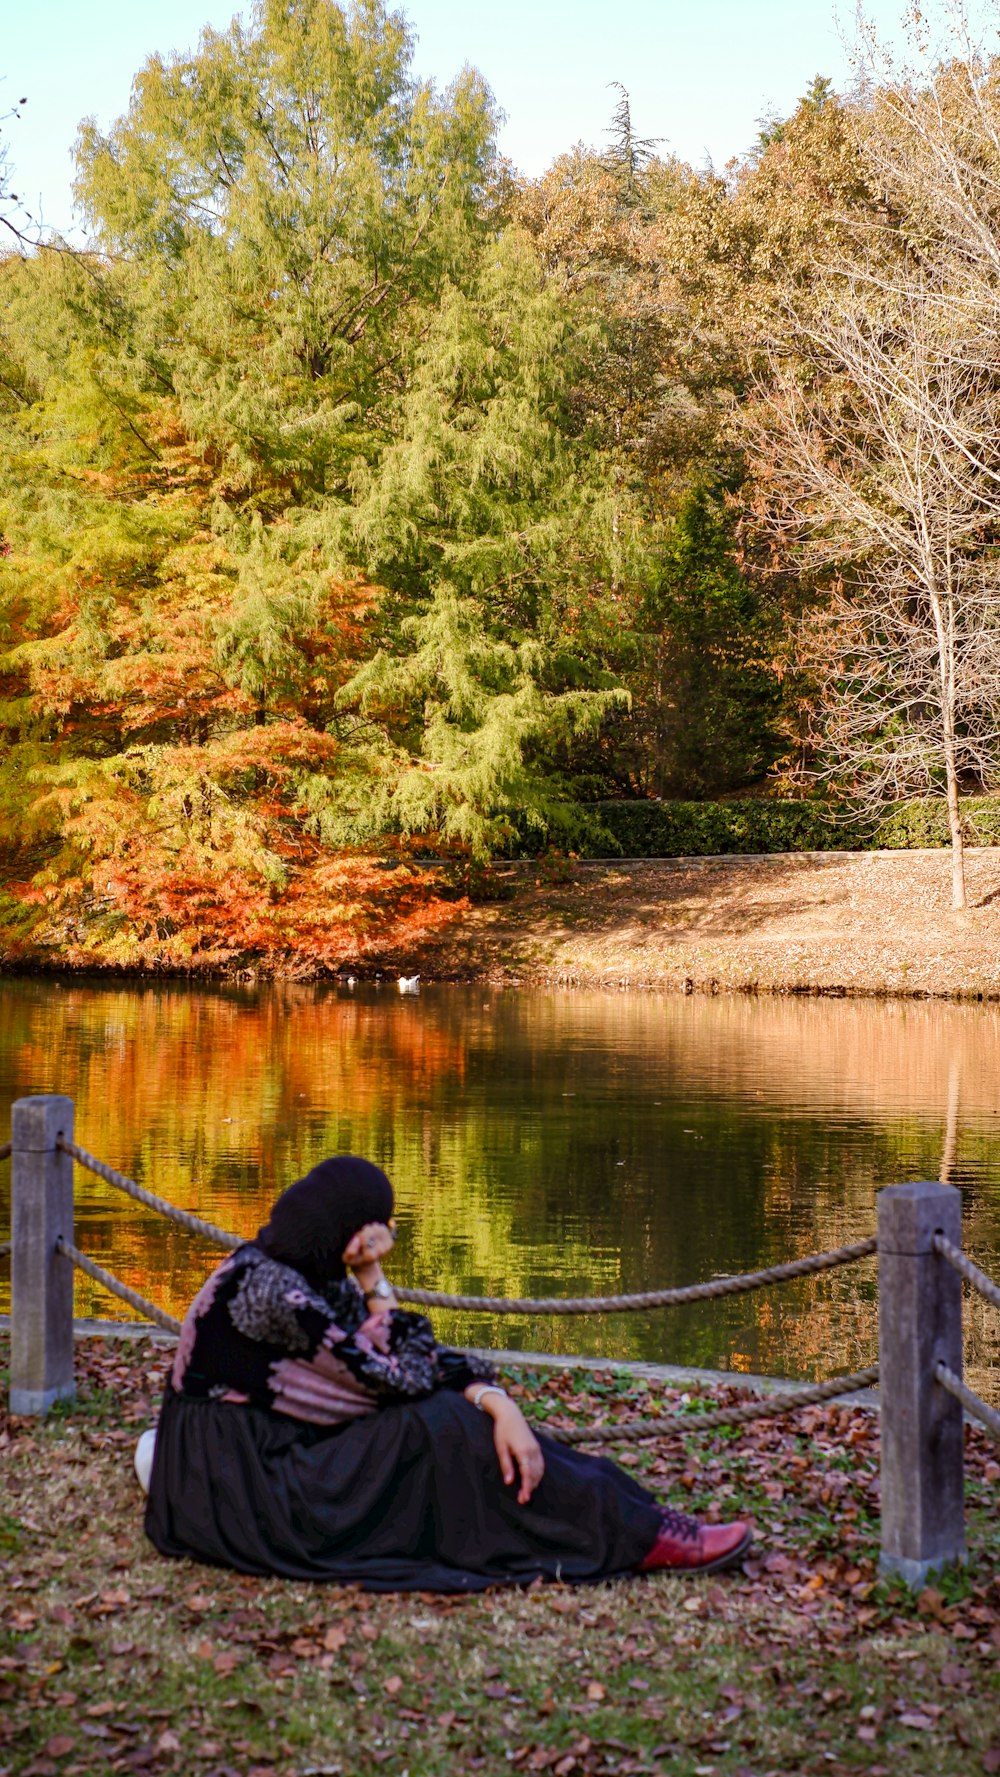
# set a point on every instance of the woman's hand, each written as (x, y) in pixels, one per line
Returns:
(517, 1447)
(368, 1245)
(363, 1255)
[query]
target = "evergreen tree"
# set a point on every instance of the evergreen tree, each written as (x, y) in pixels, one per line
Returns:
(490, 523)
(710, 719)
(190, 405)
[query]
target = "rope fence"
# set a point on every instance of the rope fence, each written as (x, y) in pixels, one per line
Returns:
(921, 1271)
(183, 1217)
(771, 1407)
(788, 1401)
(944, 1376)
(953, 1385)
(90, 1268)
(961, 1263)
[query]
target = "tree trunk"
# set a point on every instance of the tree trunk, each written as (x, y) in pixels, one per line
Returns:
(944, 624)
(958, 898)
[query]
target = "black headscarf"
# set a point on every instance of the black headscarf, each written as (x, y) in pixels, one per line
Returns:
(313, 1221)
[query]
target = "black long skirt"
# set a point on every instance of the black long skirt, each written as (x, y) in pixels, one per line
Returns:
(408, 1499)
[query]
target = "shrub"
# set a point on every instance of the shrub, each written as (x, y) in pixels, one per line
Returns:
(712, 829)
(925, 823)
(709, 829)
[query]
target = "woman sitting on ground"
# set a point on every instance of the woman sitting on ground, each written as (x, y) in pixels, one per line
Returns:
(313, 1429)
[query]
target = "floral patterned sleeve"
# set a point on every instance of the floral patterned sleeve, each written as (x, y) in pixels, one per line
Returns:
(456, 1369)
(258, 1334)
(392, 1355)
(396, 1354)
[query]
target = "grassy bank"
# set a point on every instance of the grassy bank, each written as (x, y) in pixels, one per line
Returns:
(113, 1660)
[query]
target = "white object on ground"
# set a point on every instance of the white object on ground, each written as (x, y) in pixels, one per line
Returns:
(144, 1457)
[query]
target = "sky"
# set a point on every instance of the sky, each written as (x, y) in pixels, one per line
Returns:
(701, 74)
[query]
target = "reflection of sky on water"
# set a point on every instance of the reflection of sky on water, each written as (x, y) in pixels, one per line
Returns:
(539, 1142)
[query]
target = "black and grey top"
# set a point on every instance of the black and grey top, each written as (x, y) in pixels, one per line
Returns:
(257, 1334)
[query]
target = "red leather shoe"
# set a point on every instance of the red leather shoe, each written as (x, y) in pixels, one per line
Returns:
(687, 1546)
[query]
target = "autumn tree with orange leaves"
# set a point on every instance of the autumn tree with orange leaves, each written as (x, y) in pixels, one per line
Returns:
(307, 556)
(366, 510)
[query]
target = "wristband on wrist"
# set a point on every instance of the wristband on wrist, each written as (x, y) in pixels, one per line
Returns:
(379, 1291)
(487, 1388)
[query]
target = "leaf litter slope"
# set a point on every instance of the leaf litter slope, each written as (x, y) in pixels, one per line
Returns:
(850, 922)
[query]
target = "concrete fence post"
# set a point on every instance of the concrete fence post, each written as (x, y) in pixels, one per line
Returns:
(920, 1325)
(41, 1285)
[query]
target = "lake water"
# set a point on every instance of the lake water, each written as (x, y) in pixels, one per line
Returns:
(540, 1142)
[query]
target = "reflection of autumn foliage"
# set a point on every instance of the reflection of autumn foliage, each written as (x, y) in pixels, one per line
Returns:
(539, 1143)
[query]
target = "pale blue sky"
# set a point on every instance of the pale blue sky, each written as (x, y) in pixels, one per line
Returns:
(699, 72)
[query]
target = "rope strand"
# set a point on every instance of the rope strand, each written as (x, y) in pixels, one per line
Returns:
(183, 1217)
(987, 1416)
(116, 1287)
(964, 1266)
(788, 1401)
(692, 1292)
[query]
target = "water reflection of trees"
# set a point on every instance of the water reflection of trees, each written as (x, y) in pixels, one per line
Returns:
(538, 1142)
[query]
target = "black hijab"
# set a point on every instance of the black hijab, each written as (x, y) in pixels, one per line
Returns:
(312, 1222)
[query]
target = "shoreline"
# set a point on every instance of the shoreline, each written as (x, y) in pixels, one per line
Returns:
(842, 925)
(673, 1375)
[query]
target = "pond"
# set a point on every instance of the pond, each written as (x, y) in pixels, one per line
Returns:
(540, 1142)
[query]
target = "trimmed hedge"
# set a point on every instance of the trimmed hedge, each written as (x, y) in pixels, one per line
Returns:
(713, 829)
(709, 829)
(917, 824)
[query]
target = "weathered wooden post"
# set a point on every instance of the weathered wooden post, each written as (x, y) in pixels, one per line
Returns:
(920, 1324)
(41, 1285)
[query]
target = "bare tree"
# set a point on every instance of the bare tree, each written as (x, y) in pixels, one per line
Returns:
(876, 431)
(930, 136)
(877, 428)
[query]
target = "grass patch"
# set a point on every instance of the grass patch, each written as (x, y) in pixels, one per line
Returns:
(112, 1659)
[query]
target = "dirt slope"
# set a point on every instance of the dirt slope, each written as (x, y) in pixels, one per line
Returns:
(857, 922)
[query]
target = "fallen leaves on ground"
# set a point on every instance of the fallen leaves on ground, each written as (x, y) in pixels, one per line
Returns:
(114, 1660)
